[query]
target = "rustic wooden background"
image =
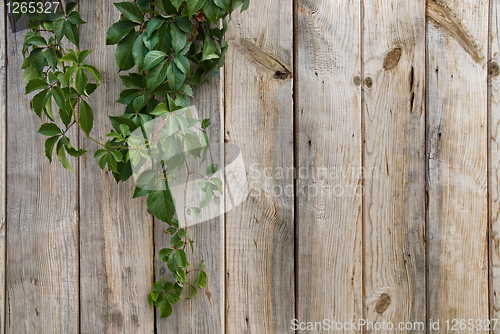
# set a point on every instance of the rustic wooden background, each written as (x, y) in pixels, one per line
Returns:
(406, 91)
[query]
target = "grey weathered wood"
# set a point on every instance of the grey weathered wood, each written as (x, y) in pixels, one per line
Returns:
(3, 164)
(394, 162)
(205, 312)
(259, 119)
(328, 139)
(457, 34)
(42, 220)
(115, 231)
(494, 165)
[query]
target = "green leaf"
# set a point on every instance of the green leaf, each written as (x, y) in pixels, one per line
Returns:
(139, 51)
(119, 30)
(180, 256)
(100, 152)
(59, 97)
(193, 292)
(94, 72)
(61, 154)
(153, 24)
(73, 34)
(201, 279)
(49, 146)
(49, 129)
(37, 102)
(224, 4)
(160, 110)
(194, 5)
(51, 57)
(123, 54)
(36, 84)
(182, 234)
(156, 75)
(172, 263)
(209, 48)
(130, 10)
(212, 12)
(161, 202)
(152, 59)
(70, 7)
(128, 95)
(82, 55)
(75, 18)
(212, 169)
(165, 309)
(206, 123)
(86, 117)
(145, 183)
(183, 64)
(81, 81)
(165, 253)
(176, 3)
(134, 82)
(60, 26)
(179, 38)
(175, 77)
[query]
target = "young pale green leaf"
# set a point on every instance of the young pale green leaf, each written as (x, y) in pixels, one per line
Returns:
(130, 11)
(179, 38)
(49, 146)
(123, 54)
(119, 30)
(161, 202)
(181, 258)
(86, 117)
(61, 155)
(152, 59)
(36, 84)
(49, 129)
(157, 75)
(175, 76)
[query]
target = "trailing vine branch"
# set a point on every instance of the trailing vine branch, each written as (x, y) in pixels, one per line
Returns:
(168, 47)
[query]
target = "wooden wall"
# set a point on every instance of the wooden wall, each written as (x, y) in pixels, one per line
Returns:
(388, 111)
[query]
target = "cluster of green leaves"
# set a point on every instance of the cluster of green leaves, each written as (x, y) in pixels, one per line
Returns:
(60, 77)
(167, 47)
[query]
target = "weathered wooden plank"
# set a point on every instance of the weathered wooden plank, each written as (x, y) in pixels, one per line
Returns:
(3, 163)
(394, 154)
(42, 220)
(259, 119)
(116, 232)
(494, 165)
(457, 254)
(328, 139)
(205, 312)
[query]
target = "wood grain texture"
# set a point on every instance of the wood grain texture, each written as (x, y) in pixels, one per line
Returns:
(3, 161)
(42, 220)
(116, 231)
(457, 251)
(394, 155)
(205, 312)
(494, 166)
(259, 119)
(328, 145)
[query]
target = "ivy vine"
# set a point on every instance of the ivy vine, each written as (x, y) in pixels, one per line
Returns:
(168, 47)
